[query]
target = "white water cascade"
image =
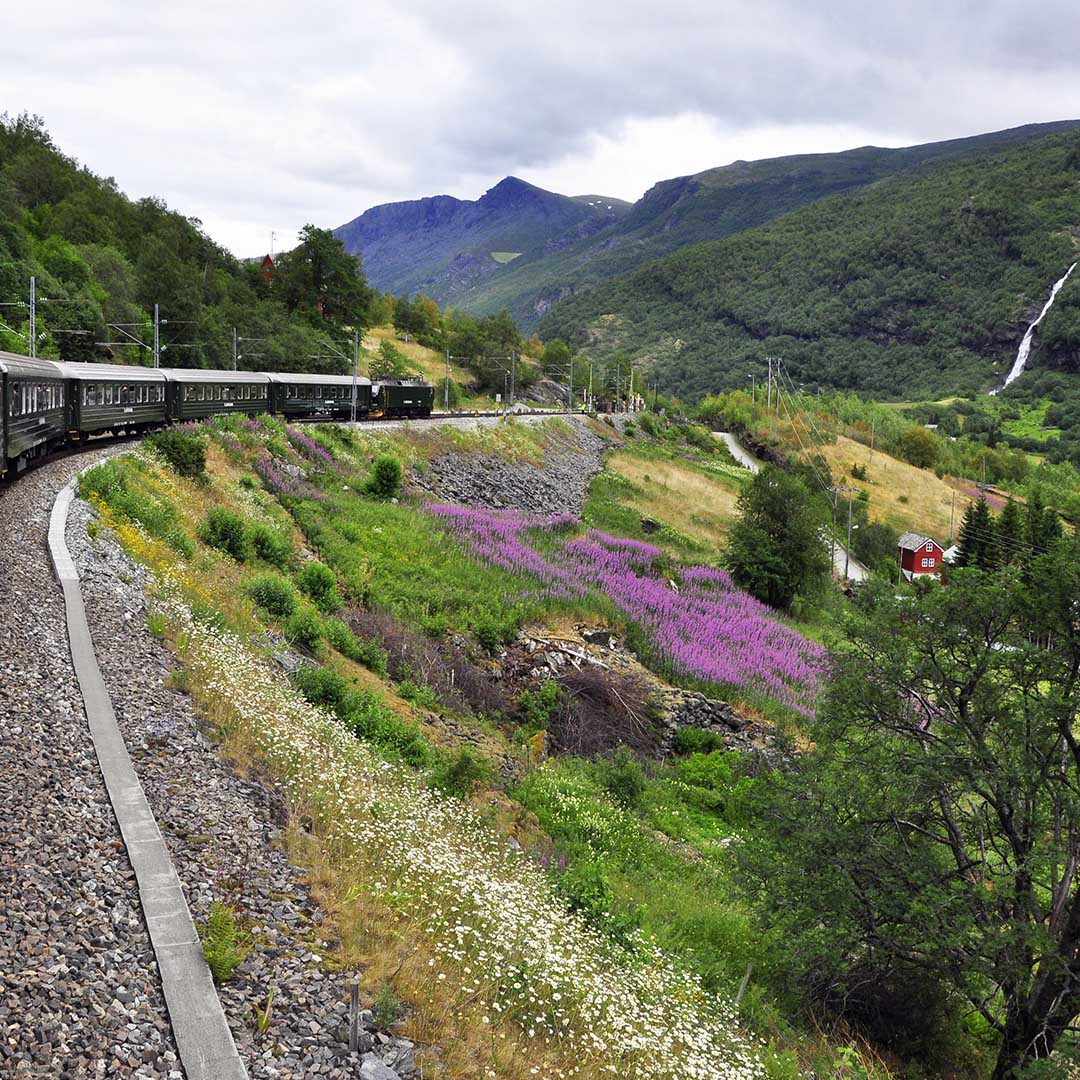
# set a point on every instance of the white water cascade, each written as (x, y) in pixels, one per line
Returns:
(1025, 345)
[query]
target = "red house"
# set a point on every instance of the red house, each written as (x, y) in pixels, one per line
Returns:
(919, 555)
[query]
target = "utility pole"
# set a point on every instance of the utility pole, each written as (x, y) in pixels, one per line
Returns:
(355, 370)
(768, 399)
(849, 491)
(847, 549)
(618, 380)
(33, 316)
(570, 392)
(446, 395)
(590, 387)
(234, 348)
(157, 338)
(513, 377)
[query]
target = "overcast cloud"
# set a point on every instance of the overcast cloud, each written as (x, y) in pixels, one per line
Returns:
(263, 116)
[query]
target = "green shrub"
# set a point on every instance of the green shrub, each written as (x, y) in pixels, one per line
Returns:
(303, 628)
(586, 888)
(224, 943)
(420, 695)
(649, 424)
(105, 481)
(622, 777)
(487, 633)
(369, 653)
(248, 483)
(387, 1006)
(319, 583)
(385, 479)
(321, 686)
(273, 593)
(226, 531)
(365, 715)
(538, 706)
(697, 741)
(340, 637)
(270, 544)
(183, 450)
(462, 772)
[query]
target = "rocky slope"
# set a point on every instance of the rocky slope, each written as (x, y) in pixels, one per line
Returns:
(560, 485)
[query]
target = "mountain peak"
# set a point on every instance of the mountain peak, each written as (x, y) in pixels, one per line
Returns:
(512, 192)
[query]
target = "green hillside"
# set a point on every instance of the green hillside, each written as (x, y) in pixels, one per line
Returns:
(103, 260)
(916, 286)
(709, 206)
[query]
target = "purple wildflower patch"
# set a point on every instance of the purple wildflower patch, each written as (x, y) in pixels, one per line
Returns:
(701, 624)
(307, 446)
(280, 482)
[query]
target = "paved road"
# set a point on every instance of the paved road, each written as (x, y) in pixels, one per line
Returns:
(738, 451)
(856, 571)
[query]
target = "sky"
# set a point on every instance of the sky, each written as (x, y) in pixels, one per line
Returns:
(257, 118)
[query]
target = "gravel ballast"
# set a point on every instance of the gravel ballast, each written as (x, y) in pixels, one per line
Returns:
(79, 990)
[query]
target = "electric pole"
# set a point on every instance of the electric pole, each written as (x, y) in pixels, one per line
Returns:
(157, 338)
(33, 316)
(768, 398)
(355, 371)
(446, 395)
(848, 491)
(513, 377)
(234, 348)
(847, 548)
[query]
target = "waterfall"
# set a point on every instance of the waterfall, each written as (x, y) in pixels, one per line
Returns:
(1025, 345)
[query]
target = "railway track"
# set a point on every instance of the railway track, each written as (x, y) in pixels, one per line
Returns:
(98, 442)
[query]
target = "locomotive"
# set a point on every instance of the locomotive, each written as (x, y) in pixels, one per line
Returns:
(47, 404)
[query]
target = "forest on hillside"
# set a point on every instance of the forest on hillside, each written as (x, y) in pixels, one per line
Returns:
(102, 261)
(920, 285)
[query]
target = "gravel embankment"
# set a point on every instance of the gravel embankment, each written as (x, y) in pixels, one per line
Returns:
(224, 835)
(559, 485)
(79, 990)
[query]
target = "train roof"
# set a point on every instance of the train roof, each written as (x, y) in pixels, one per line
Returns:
(204, 375)
(307, 377)
(131, 372)
(26, 367)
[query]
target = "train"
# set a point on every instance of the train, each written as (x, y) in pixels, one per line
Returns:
(49, 404)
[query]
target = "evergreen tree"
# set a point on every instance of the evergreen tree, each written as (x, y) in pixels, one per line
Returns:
(1042, 527)
(1009, 544)
(976, 537)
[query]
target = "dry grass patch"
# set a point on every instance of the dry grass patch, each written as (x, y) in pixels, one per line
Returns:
(678, 496)
(929, 500)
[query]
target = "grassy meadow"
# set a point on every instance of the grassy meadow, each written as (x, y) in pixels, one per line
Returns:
(626, 866)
